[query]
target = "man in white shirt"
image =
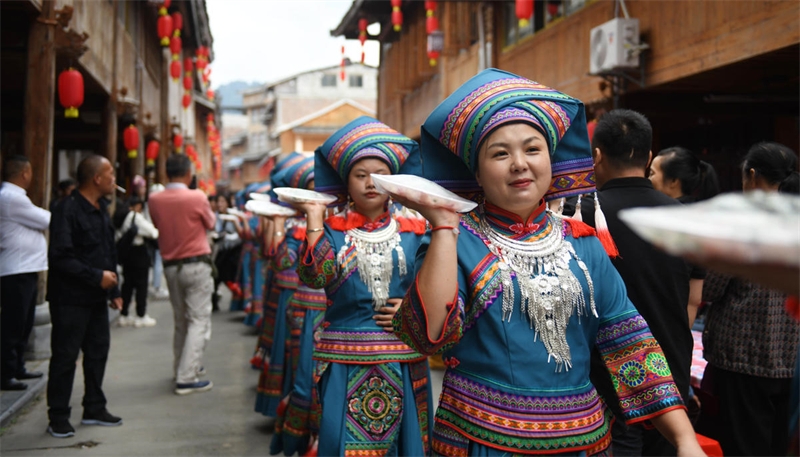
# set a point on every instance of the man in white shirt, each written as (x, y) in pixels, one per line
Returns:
(23, 254)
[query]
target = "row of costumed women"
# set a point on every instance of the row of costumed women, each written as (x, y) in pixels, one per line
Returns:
(353, 295)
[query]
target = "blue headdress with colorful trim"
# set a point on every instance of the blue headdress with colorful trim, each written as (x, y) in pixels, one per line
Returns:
(362, 138)
(452, 134)
(281, 174)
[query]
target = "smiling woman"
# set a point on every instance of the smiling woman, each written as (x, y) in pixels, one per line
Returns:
(517, 299)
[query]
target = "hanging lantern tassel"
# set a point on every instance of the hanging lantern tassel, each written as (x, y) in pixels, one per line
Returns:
(362, 35)
(603, 234)
(70, 92)
(524, 10)
(164, 6)
(397, 15)
(131, 139)
(151, 153)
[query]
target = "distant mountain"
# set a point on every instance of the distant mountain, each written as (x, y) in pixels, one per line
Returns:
(231, 93)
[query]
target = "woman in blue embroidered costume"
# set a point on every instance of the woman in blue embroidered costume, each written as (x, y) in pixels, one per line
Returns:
(284, 281)
(374, 390)
(303, 316)
(529, 294)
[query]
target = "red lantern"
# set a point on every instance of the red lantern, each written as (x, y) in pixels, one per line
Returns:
(187, 82)
(431, 21)
(341, 68)
(175, 70)
(187, 100)
(177, 142)
(362, 35)
(177, 23)
(397, 15)
(164, 6)
(164, 29)
(151, 153)
(130, 137)
(524, 9)
(187, 65)
(191, 152)
(70, 91)
(175, 47)
(210, 94)
(552, 9)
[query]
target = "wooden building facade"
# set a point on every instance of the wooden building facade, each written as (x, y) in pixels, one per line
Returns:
(115, 46)
(717, 77)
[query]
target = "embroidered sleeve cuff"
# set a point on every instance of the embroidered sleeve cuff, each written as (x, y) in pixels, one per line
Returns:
(411, 323)
(317, 268)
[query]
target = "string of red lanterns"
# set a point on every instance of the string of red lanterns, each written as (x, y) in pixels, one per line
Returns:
(362, 35)
(431, 27)
(70, 91)
(341, 67)
(397, 15)
(165, 25)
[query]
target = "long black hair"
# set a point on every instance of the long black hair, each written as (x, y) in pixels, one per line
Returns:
(775, 163)
(698, 178)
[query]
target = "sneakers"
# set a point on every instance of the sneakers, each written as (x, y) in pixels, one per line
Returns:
(60, 429)
(193, 387)
(102, 417)
(144, 321)
(124, 321)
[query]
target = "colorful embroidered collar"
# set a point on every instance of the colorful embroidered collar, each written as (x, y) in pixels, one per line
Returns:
(351, 219)
(512, 226)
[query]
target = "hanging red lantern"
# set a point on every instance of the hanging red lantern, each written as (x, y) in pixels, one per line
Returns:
(175, 47)
(187, 100)
(164, 6)
(130, 137)
(191, 152)
(362, 35)
(188, 66)
(433, 57)
(397, 15)
(210, 94)
(552, 9)
(177, 23)
(70, 91)
(151, 152)
(341, 68)
(187, 82)
(524, 10)
(165, 29)
(175, 70)
(431, 21)
(177, 142)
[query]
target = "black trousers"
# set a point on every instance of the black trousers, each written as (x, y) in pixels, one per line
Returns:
(77, 328)
(753, 412)
(18, 305)
(134, 277)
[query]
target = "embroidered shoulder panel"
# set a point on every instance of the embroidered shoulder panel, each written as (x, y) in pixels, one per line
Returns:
(485, 285)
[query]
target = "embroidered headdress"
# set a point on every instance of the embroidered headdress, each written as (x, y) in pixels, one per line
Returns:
(362, 138)
(452, 134)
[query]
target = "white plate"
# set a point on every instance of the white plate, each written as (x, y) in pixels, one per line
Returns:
(293, 195)
(422, 191)
(228, 217)
(269, 209)
(236, 212)
(756, 227)
(260, 197)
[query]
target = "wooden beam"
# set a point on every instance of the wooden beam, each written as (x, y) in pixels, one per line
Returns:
(39, 106)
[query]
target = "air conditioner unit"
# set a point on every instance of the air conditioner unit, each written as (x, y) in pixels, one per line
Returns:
(614, 45)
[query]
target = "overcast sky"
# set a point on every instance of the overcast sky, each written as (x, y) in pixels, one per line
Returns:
(265, 40)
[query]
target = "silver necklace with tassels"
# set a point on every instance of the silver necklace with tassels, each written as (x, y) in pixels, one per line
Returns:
(549, 291)
(374, 259)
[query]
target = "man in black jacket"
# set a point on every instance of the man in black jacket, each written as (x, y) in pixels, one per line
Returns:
(657, 283)
(82, 279)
